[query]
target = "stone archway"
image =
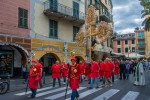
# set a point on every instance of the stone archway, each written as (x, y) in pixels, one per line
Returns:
(48, 60)
(12, 57)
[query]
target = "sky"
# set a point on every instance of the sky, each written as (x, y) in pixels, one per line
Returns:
(126, 15)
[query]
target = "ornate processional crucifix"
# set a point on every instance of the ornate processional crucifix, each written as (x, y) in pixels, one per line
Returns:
(101, 31)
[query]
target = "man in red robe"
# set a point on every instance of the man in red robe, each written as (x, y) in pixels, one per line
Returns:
(101, 70)
(56, 73)
(64, 71)
(112, 66)
(94, 74)
(117, 68)
(81, 66)
(87, 71)
(74, 78)
(33, 78)
(107, 72)
(39, 70)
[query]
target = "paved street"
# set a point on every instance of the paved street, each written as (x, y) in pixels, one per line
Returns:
(121, 90)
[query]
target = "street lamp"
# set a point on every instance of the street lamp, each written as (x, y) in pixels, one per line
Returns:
(100, 31)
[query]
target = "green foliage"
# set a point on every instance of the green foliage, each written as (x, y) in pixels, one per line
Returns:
(145, 12)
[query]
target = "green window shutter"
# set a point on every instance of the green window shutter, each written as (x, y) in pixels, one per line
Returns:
(75, 9)
(22, 18)
(75, 31)
(53, 5)
(53, 29)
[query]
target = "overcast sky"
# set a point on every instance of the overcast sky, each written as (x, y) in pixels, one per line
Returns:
(126, 15)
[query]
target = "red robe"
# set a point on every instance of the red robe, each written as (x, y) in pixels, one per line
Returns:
(107, 72)
(81, 66)
(33, 77)
(117, 69)
(56, 70)
(74, 77)
(39, 70)
(94, 70)
(87, 70)
(64, 70)
(101, 69)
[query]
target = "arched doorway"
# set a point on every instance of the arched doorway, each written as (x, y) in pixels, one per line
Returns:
(48, 60)
(12, 58)
(79, 58)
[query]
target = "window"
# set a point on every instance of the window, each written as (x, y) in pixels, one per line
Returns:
(76, 9)
(75, 31)
(119, 50)
(53, 5)
(133, 49)
(90, 2)
(53, 28)
(22, 18)
(126, 41)
(133, 42)
(118, 42)
(140, 34)
(126, 49)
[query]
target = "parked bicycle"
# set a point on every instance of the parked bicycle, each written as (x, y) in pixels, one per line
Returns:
(4, 86)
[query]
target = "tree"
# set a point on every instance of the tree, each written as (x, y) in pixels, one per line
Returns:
(146, 14)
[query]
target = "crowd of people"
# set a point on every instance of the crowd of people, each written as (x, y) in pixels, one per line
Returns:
(95, 72)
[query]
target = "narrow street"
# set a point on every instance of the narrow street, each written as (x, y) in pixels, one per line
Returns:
(121, 90)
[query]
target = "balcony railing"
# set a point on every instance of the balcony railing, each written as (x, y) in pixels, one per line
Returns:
(142, 45)
(106, 14)
(64, 10)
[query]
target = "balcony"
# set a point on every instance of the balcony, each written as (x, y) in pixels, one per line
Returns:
(106, 16)
(60, 11)
(141, 37)
(141, 46)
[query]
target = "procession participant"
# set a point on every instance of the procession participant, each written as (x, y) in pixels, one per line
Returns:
(117, 69)
(127, 69)
(56, 73)
(94, 73)
(64, 71)
(87, 71)
(39, 70)
(112, 66)
(74, 78)
(139, 74)
(107, 72)
(81, 66)
(122, 67)
(101, 71)
(33, 78)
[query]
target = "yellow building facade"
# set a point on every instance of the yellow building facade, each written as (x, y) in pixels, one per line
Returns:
(142, 42)
(54, 24)
(147, 44)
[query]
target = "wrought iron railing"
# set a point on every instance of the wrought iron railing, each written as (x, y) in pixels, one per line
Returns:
(64, 10)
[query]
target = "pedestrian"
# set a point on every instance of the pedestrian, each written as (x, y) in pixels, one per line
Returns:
(56, 73)
(24, 73)
(117, 69)
(101, 71)
(33, 78)
(127, 69)
(81, 66)
(122, 70)
(64, 71)
(112, 66)
(87, 72)
(40, 69)
(108, 72)
(139, 74)
(74, 78)
(134, 67)
(146, 64)
(94, 75)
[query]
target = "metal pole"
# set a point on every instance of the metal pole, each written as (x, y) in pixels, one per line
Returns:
(44, 77)
(90, 43)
